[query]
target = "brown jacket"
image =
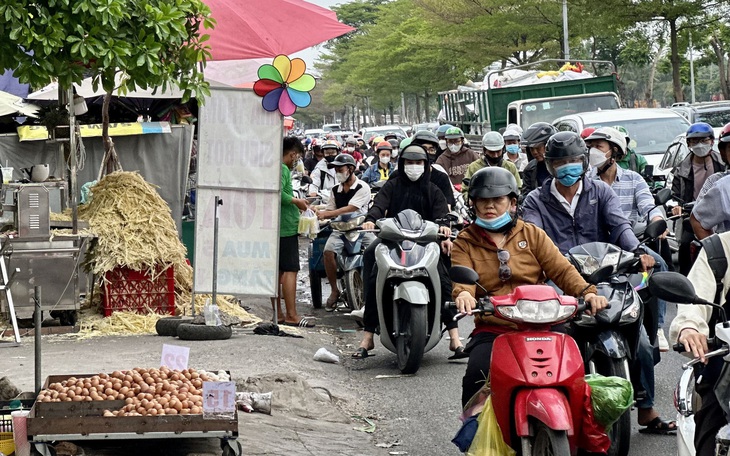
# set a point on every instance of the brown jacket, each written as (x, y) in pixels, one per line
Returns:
(534, 258)
(456, 165)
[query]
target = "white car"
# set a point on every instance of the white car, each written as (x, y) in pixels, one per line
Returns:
(369, 132)
(652, 130)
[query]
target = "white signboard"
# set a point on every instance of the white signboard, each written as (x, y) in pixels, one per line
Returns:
(219, 398)
(175, 357)
(239, 160)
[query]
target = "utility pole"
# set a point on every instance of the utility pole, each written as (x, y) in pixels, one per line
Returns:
(691, 69)
(565, 30)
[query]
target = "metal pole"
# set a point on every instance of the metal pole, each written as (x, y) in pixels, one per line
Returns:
(38, 323)
(218, 202)
(73, 164)
(402, 108)
(691, 69)
(565, 30)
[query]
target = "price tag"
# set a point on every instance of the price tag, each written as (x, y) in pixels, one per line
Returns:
(175, 357)
(219, 398)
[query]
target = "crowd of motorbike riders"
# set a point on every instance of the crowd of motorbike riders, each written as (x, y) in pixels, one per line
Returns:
(528, 198)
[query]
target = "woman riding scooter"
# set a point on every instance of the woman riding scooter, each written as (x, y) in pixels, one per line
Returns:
(506, 252)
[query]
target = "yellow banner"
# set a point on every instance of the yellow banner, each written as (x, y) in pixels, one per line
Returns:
(39, 132)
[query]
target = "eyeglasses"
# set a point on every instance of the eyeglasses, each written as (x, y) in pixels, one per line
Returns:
(505, 273)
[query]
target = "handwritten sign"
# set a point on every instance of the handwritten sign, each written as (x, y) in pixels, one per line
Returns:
(175, 357)
(219, 398)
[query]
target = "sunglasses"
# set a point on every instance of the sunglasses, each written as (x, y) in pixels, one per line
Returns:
(505, 273)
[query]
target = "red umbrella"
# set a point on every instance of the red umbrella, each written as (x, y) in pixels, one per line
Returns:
(249, 29)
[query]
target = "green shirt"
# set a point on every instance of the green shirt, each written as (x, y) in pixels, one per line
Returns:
(638, 165)
(479, 164)
(289, 214)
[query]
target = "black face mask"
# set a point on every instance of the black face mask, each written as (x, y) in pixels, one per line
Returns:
(493, 161)
(330, 158)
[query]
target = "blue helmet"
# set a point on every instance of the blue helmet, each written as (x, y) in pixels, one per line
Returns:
(700, 130)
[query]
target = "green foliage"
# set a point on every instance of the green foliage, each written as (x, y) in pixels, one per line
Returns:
(152, 43)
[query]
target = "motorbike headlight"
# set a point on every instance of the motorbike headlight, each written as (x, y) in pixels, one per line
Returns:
(631, 313)
(527, 311)
(407, 273)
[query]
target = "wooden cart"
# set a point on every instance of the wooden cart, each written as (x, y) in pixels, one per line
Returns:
(76, 421)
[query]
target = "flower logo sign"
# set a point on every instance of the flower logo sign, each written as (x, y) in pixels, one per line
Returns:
(284, 85)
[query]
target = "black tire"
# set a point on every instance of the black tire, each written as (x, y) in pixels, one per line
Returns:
(549, 442)
(315, 286)
(68, 318)
(411, 345)
(354, 289)
(168, 326)
(620, 431)
(186, 331)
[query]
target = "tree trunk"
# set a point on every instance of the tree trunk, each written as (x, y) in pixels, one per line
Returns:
(426, 99)
(674, 59)
(110, 162)
(649, 94)
(390, 110)
(418, 108)
(718, 49)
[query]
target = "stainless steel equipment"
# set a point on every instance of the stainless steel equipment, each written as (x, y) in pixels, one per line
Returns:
(32, 211)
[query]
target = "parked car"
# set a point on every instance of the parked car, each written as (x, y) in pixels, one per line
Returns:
(369, 132)
(331, 127)
(715, 113)
(431, 126)
(653, 130)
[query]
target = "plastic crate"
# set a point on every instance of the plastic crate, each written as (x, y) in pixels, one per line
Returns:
(135, 291)
(7, 444)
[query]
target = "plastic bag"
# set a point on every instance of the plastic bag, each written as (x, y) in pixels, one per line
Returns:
(488, 440)
(592, 437)
(610, 396)
(212, 314)
(308, 224)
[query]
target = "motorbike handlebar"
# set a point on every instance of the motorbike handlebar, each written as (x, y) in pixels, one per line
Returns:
(719, 352)
(679, 347)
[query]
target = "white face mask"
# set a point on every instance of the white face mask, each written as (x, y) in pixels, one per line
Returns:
(454, 148)
(342, 177)
(394, 153)
(701, 149)
(351, 149)
(385, 159)
(442, 144)
(596, 157)
(414, 172)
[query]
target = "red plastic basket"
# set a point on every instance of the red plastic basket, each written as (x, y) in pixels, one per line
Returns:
(135, 291)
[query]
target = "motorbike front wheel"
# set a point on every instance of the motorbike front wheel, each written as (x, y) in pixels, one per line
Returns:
(354, 289)
(410, 343)
(620, 432)
(549, 442)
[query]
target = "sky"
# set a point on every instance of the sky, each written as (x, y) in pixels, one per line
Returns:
(310, 55)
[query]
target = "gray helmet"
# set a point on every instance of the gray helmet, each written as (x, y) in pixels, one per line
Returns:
(342, 160)
(537, 133)
(493, 182)
(413, 152)
(426, 137)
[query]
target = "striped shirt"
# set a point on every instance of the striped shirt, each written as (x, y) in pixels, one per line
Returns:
(633, 193)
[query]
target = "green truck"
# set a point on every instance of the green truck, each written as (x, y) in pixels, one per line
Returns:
(477, 111)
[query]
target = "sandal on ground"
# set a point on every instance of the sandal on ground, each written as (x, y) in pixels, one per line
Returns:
(304, 322)
(459, 353)
(361, 353)
(659, 426)
(331, 304)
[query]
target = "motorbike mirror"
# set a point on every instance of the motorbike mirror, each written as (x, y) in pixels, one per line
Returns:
(648, 171)
(662, 196)
(463, 274)
(600, 275)
(673, 287)
(305, 180)
(655, 229)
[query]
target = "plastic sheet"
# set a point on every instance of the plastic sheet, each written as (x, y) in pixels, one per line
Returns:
(610, 396)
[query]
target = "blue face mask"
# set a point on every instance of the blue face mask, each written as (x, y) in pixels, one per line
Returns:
(569, 174)
(513, 149)
(496, 224)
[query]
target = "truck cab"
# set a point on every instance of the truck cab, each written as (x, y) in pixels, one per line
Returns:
(526, 112)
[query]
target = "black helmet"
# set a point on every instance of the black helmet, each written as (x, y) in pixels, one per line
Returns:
(537, 133)
(413, 152)
(394, 143)
(342, 160)
(390, 135)
(492, 182)
(425, 137)
(565, 144)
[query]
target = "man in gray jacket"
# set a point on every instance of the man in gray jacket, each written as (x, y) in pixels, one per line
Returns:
(574, 210)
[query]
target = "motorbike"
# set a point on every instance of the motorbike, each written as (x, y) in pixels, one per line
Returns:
(350, 262)
(609, 341)
(675, 287)
(541, 413)
(408, 290)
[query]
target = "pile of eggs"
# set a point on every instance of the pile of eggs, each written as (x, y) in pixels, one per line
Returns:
(145, 392)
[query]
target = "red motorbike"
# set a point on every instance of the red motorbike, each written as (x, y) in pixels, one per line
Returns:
(537, 375)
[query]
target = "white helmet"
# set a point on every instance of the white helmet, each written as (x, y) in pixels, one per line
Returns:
(611, 135)
(493, 141)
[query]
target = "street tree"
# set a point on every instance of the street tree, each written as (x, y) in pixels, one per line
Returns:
(142, 43)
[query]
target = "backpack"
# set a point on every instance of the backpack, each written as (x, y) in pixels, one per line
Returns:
(717, 260)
